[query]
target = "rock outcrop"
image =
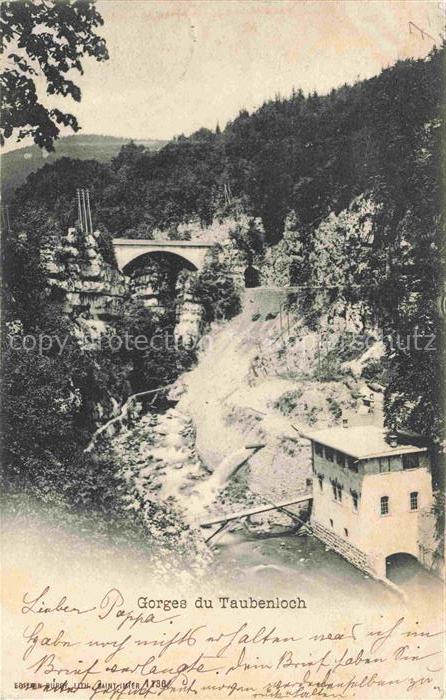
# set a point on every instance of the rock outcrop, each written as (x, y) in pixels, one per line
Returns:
(90, 287)
(80, 277)
(189, 312)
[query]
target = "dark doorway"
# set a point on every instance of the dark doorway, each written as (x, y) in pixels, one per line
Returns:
(252, 277)
(401, 567)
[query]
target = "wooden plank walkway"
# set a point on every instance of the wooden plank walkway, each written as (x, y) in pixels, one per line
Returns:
(223, 520)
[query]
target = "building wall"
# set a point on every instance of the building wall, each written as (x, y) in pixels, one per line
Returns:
(343, 547)
(372, 466)
(365, 529)
(383, 535)
(346, 476)
(326, 508)
(342, 513)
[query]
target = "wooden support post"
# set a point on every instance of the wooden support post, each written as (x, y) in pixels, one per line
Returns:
(219, 530)
(90, 223)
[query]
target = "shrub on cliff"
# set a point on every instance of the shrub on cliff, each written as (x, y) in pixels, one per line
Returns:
(215, 289)
(249, 236)
(50, 387)
(155, 359)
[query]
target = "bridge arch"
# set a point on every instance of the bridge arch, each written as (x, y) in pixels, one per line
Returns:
(129, 249)
(168, 258)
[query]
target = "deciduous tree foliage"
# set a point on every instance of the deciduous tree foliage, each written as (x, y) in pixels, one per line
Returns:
(43, 41)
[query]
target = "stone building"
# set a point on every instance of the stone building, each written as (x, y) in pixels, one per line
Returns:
(369, 494)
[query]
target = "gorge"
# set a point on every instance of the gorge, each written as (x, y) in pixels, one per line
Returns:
(314, 262)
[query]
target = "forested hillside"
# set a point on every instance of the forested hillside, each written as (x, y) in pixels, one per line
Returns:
(19, 163)
(309, 154)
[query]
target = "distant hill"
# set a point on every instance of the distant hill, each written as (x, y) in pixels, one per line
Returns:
(18, 164)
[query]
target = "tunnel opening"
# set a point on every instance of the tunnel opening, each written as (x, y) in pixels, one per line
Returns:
(252, 277)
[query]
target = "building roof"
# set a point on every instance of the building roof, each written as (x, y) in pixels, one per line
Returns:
(360, 442)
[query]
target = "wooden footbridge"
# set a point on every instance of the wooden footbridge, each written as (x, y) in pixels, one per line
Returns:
(224, 520)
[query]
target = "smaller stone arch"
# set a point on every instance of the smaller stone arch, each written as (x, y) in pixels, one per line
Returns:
(402, 566)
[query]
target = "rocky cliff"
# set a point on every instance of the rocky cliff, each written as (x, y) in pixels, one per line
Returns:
(80, 277)
(90, 287)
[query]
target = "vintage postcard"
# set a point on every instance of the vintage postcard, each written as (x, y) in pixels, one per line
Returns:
(222, 380)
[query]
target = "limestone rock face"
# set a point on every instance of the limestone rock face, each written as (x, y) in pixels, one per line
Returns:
(71, 236)
(152, 284)
(69, 252)
(55, 269)
(276, 267)
(75, 268)
(189, 312)
(92, 270)
(235, 259)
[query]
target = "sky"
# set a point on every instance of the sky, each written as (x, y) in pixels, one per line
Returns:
(178, 65)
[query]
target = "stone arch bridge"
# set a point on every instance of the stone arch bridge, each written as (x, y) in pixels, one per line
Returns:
(127, 250)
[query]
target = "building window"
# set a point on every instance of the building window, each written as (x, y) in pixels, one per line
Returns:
(340, 459)
(355, 501)
(318, 449)
(384, 464)
(411, 461)
(329, 454)
(337, 490)
(345, 532)
(384, 505)
(352, 464)
(414, 500)
(331, 522)
(321, 482)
